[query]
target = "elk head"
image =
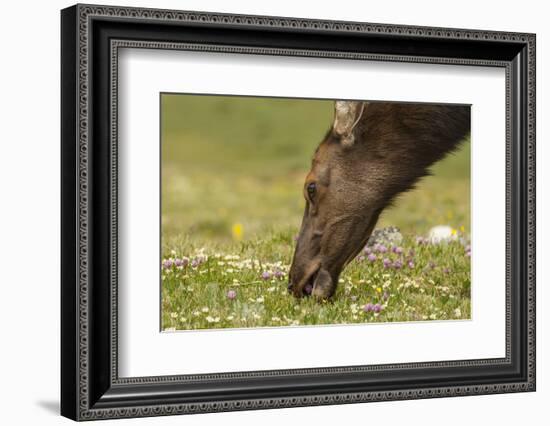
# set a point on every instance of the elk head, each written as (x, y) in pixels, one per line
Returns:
(372, 152)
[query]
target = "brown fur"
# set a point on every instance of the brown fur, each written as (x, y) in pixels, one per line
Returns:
(357, 175)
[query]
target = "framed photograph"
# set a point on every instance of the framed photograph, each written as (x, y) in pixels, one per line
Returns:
(263, 212)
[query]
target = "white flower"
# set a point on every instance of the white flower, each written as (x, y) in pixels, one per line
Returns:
(205, 309)
(170, 329)
(211, 319)
(442, 233)
(457, 312)
(230, 318)
(260, 299)
(174, 315)
(432, 316)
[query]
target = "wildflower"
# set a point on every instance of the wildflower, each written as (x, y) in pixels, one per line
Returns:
(231, 294)
(212, 319)
(195, 263)
(442, 233)
(421, 240)
(386, 296)
(230, 318)
(410, 264)
(377, 308)
(167, 263)
(205, 309)
(237, 231)
(432, 316)
(446, 270)
(361, 258)
(367, 250)
(378, 289)
(381, 248)
(174, 315)
(397, 264)
(397, 249)
(260, 299)
(386, 262)
(265, 275)
(353, 298)
(468, 254)
(279, 274)
(457, 312)
(170, 329)
(181, 262)
(371, 257)
(368, 307)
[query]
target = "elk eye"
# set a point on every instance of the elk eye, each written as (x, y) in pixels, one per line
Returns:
(311, 188)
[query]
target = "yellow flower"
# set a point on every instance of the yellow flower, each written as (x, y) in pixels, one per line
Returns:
(462, 229)
(453, 231)
(237, 231)
(378, 289)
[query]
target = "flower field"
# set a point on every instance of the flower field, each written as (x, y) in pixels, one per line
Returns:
(232, 205)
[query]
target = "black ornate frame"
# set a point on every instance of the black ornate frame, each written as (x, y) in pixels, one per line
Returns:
(91, 38)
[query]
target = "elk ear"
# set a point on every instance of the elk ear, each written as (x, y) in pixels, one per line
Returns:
(346, 117)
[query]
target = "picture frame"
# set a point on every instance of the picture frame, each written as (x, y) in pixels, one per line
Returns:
(91, 37)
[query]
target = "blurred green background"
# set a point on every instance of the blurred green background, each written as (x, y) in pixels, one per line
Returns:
(233, 169)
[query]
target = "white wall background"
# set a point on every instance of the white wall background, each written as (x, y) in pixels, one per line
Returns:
(29, 212)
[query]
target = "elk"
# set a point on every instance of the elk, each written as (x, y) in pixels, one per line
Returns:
(373, 152)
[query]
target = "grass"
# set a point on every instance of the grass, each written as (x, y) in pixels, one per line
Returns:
(231, 201)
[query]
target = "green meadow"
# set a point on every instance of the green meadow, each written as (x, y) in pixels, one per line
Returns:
(232, 173)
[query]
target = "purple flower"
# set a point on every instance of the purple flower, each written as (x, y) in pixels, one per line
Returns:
(167, 263)
(386, 262)
(296, 237)
(446, 270)
(386, 295)
(266, 275)
(368, 307)
(431, 265)
(411, 264)
(377, 308)
(397, 250)
(279, 274)
(421, 240)
(367, 250)
(397, 264)
(353, 298)
(195, 262)
(468, 254)
(231, 294)
(361, 258)
(371, 257)
(381, 248)
(308, 288)
(182, 262)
